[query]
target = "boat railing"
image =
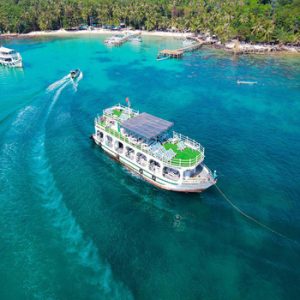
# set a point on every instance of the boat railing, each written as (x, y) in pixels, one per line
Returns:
(178, 162)
(189, 142)
(196, 180)
(129, 110)
(209, 177)
(175, 162)
(8, 53)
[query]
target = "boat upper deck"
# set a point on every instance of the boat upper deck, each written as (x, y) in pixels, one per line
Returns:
(5, 52)
(151, 135)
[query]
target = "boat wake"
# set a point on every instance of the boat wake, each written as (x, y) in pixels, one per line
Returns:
(65, 80)
(10, 148)
(58, 83)
(78, 249)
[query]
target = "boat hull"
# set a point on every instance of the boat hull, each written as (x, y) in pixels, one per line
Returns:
(151, 178)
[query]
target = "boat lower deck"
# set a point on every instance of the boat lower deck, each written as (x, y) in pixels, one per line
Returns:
(156, 177)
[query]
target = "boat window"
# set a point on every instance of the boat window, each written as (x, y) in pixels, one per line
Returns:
(171, 173)
(141, 159)
(100, 134)
(129, 152)
(193, 172)
(109, 141)
(119, 147)
(154, 166)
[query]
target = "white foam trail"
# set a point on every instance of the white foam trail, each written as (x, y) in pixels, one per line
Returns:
(11, 146)
(56, 96)
(79, 249)
(27, 256)
(21, 115)
(58, 83)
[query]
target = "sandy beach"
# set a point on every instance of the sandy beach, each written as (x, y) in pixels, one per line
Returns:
(63, 32)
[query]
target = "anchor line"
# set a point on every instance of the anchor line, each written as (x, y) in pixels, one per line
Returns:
(254, 219)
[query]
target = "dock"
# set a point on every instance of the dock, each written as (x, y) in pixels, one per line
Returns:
(178, 53)
(121, 38)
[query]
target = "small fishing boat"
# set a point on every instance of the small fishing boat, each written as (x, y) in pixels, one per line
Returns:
(246, 82)
(75, 73)
(10, 58)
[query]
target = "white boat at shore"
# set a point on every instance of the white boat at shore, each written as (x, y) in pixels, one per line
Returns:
(10, 58)
(146, 145)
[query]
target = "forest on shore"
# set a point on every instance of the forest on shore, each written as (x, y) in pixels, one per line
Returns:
(275, 21)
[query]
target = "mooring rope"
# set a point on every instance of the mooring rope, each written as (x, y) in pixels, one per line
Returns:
(253, 219)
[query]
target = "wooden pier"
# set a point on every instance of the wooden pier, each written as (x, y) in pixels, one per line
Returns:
(120, 41)
(178, 53)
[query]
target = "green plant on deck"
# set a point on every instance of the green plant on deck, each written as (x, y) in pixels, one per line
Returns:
(185, 154)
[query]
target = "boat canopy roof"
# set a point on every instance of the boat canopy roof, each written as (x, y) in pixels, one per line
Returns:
(147, 126)
(6, 50)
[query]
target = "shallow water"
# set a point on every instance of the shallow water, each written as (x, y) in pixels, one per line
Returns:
(76, 225)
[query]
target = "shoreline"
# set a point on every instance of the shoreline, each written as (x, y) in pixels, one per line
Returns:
(229, 47)
(63, 32)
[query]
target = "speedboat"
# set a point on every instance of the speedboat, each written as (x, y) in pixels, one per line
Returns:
(75, 73)
(10, 58)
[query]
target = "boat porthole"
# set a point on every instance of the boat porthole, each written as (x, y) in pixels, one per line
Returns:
(141, 171)
(153, 177)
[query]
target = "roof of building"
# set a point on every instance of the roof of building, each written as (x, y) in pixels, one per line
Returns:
(147, 126)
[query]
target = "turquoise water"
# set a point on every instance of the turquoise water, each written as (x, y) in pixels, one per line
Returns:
(76, 225)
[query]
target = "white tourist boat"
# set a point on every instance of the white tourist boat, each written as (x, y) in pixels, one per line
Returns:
(147, 145)
(10, 58)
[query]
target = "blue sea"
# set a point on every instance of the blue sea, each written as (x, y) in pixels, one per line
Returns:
(77, 225)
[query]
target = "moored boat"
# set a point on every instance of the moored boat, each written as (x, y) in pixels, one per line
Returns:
(10, 58)
(147, 145)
